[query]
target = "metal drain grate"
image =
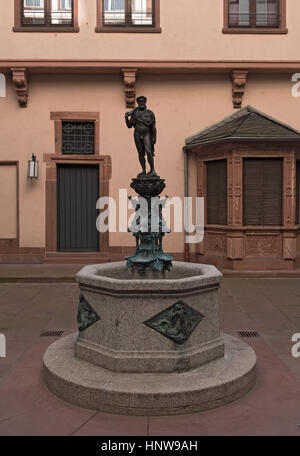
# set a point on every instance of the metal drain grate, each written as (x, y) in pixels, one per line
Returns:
(248, 334)
(51, 333)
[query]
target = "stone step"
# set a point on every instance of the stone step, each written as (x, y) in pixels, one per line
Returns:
(76, 260)
(76, 255)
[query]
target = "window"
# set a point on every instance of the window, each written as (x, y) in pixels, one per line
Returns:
(128, 15)
(78, 137)
(46, 15)
(262, 191)
(216, 192)
(254, 16)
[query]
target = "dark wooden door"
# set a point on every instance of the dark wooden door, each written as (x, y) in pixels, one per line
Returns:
(77, 194)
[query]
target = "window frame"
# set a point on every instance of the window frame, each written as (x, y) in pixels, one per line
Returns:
(154, 28)
(256, 29)
(70, 116)
(19, 27)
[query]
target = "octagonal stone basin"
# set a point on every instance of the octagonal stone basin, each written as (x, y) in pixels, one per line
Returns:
(151, 322)
(149, 344)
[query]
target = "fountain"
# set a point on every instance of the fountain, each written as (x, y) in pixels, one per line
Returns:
(149, 340)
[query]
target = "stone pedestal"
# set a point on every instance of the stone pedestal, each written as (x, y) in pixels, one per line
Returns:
(149, 344)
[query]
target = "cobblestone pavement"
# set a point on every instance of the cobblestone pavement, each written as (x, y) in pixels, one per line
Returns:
(269, 306)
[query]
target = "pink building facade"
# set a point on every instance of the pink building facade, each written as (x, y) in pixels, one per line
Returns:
(71, 69)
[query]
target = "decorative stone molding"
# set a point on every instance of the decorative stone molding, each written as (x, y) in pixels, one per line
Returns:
(235, 190)
(289, 247)
(86, 315)
(289, 187)
(176, 322)
(216, 243)
(264, 245)
(201, 193)
(239, 78)
(235, 245)
(129, 77)
(200, 178)
(20, 81)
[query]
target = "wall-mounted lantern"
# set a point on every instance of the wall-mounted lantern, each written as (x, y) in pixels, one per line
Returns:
(2, 85)
(33, 168)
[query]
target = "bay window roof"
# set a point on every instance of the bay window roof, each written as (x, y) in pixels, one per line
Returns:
(246, 124)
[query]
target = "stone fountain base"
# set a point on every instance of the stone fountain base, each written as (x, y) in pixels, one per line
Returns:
(208, 386)
(149, 344)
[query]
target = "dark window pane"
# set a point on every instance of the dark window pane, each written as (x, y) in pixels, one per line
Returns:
(262, 191)
(114, 12)
(216, 194)
(36, 3)
(239, 13)
(61, 12)
(33, 12)
(141, 11)
(78, 138)
(267, 13)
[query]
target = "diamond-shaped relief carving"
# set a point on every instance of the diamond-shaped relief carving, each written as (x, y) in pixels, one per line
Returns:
(177, 322)
(86, 315)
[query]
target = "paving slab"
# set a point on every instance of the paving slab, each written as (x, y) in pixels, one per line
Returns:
(269, 306)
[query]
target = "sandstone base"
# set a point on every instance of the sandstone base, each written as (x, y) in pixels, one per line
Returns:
(211, 385)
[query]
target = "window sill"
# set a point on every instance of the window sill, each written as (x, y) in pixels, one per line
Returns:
(127, 30)
(43, 29)
(266, 31)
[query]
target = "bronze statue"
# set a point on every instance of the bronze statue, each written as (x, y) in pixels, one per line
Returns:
(143, 121)
(148, 226)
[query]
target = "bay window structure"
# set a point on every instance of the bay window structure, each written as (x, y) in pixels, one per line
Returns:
(128, 15)
(254, 16)
(46, 15)
(249, 175)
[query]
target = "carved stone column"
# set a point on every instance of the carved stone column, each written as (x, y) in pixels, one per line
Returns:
(239, 79)
(289, 206)
(201, 193)
(289, 188)
(235, 239)
(129, 77)
(20, 82)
